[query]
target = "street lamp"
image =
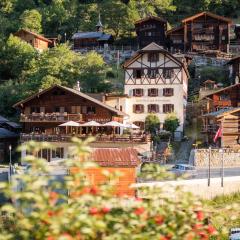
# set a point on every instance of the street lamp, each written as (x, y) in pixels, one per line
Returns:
(10, 155)
(222, 169)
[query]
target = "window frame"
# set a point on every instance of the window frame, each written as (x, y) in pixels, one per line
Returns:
(150, 110)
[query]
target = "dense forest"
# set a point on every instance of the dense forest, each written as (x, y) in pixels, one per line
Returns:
(56, 17)
(24, 71)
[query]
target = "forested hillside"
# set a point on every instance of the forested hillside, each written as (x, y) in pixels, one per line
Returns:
(56, 17)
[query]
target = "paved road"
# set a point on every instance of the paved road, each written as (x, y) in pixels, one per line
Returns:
(216, 172)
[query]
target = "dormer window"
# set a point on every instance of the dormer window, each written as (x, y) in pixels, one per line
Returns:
(153, 57)
(152, 72)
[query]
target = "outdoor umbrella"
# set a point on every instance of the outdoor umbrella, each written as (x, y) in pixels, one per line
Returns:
(91, 124)
(70, 124)
(113, 124)
(131, 126)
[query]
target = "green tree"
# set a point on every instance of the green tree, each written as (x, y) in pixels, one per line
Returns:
(93, 71)
(15, 57)
(31, 20)
(171, 123)
(152, 123)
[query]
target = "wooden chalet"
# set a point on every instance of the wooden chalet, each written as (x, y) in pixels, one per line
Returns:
(217, 104)
(201, 32)
(36, 40)
(151, 29)
(44, 111)
(92, 39)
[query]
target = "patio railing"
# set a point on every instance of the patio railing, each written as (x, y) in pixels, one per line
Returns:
(99, 138)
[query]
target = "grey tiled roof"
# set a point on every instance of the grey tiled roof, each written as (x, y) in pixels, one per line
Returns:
(219, 112)
(100, 36)
(4, 133)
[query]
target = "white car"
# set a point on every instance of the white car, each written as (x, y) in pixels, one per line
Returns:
(234, 234)
(184, 169)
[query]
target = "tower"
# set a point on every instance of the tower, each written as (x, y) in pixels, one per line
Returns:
(99, 25)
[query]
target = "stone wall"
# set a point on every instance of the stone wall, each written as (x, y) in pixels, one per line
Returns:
(200, 157)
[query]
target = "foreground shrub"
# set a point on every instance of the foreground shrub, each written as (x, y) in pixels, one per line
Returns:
(46, 208)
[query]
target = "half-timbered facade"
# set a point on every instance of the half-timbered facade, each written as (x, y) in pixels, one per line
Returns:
(155, 82)
(151, 29)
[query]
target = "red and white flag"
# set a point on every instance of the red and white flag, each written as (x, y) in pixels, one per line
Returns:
(218, 134)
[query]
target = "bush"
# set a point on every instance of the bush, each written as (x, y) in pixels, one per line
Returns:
(88, 212)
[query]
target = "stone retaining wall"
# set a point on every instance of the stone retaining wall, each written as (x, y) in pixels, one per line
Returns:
(200, 157)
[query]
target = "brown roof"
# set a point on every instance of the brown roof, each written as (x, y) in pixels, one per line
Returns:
(83, 95)
(174, 29)
(34, 34)
(208, 14)
(150, 18)
(116, 157)
(223, 89)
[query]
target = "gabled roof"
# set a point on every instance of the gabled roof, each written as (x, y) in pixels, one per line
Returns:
(174, 29)
(76, 92)
(229, 111)
(3, 119)
(223, 89)
(5, 133)
(116, 157)
(34, 34)
(153, 47)
(207, 14)
(150, 18)
(100, 36)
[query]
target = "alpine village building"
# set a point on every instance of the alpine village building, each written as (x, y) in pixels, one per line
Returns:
(201, 32)
(155, 82)
(151, 29)
(221, 110)
(38, 41)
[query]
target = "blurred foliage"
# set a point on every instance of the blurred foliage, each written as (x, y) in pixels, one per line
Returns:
(43, 207)
(152, 124)
(171, 122)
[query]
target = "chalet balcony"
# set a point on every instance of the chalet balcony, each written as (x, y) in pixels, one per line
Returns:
(63, 117)
(211, 128)
(98, 138)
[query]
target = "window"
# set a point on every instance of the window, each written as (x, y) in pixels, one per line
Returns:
(153, 108)
(35, 109)
(137, 73)
(58, 153)
(168, 72)
(91, 110)
(152, 72)
(153, 57)
(138, 108)
(121, 108)
(168, 92)
(224, 97)
(168, 108)
(153, 92)
(138, 92)
(75, 109)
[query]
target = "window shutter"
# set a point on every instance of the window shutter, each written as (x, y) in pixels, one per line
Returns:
(149, 92)
(157, 108)
(156, 92)
(134, 108)
(134, 73)
(78, 109)
(164, 108)
(142, 108)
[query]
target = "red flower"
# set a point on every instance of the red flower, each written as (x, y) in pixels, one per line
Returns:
(200, 215)
(203, 235)
(53, 197)
(50, 213)
(197, 226)
(139, 211)
(93, 211)
(106, 210)
(50, 238)
(163, 238)
(159, 219)
(138, 199)
(94, 190)
(211, 229)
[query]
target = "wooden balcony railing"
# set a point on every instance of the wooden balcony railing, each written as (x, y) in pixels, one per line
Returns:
(210, 128)
(98, 138)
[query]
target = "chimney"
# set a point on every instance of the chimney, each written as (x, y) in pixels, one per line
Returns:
(77, 86)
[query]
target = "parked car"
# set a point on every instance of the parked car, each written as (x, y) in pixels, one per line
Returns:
(184, 169)
(234, 234)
